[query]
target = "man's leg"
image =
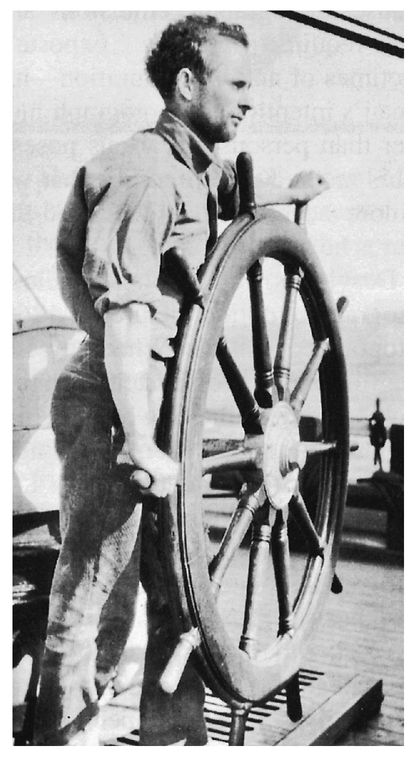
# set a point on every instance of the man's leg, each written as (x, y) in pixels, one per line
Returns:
(100, 528)
(165, 719)
(116, 622)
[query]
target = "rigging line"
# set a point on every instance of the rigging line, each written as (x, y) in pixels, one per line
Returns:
(372, 28)
(30, 290)
(362, 39)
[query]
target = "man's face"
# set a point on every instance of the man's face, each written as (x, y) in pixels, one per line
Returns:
(220, 104)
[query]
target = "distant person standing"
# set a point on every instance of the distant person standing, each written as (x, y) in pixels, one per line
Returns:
(378, 433)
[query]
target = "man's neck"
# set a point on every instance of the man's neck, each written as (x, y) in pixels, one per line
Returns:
(183, 116)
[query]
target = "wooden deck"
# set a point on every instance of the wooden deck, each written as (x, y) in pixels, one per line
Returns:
(360, 634)
(362, 630)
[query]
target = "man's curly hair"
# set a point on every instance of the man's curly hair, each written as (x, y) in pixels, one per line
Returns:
(180, 46)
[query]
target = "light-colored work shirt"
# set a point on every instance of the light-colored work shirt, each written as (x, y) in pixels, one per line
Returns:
(128, 206)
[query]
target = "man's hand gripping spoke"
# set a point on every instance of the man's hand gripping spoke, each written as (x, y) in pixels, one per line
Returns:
(157, 474)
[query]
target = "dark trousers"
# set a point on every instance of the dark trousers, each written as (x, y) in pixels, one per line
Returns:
(108, 544)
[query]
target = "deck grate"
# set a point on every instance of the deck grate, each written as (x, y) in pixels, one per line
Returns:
(260, 718)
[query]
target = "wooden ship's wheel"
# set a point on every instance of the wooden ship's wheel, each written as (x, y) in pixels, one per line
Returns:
(248, 625)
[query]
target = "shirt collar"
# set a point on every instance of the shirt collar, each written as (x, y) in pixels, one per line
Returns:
(190, 148)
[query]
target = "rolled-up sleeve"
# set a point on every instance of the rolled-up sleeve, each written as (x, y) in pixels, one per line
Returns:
(126, 234)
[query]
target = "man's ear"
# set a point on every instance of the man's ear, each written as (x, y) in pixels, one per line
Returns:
(185, 83)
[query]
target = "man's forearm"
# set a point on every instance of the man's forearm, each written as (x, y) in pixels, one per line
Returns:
(278, 196)
(127, 353)
(303, 187)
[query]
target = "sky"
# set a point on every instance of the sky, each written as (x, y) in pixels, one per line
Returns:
(320, 102)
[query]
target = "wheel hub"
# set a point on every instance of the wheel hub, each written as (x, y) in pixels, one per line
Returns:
(283, 455)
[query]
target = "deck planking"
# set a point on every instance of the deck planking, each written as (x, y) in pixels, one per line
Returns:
(362, 630)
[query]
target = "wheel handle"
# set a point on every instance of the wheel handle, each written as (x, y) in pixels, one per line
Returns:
(246, 183)
(173, 671)
(141, 478)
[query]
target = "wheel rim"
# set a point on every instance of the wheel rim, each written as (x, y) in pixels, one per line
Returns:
(233, 669)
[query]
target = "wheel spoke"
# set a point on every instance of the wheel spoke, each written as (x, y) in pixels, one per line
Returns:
(319, 447)
(234, 535)
(245, 402)
(299, 512)
(243, 457)
(264, 379)
(257, 576)
(223, 444)
(229, 461)
(281, 560)
(303, 386)
(282, 365)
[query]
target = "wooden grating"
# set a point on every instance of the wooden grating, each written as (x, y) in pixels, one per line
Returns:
(261, 719)
(266, 724)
